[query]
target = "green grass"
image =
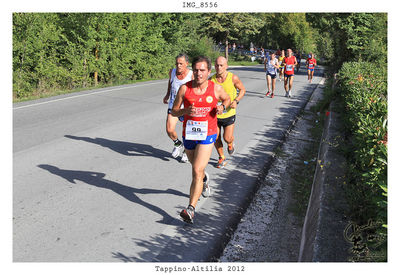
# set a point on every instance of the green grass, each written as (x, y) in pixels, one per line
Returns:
(46, 94)
(243, 63)
(303, 173)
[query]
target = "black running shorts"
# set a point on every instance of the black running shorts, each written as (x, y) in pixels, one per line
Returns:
(223, 122)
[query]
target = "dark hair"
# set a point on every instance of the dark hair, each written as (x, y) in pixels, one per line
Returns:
(182, 55)
(202, 58)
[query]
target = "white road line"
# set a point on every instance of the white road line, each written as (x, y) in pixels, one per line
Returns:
(71, 97)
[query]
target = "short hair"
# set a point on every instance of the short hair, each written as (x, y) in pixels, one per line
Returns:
(182, 55)
(202, 58)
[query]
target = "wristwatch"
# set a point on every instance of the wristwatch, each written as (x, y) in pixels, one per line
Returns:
(237, 101)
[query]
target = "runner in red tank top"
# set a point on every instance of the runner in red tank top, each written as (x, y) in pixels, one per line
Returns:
(200, 97)
(290, 63)
(311, 63)
(204, 111)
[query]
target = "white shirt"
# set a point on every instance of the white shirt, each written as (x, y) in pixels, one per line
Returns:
(176, 84)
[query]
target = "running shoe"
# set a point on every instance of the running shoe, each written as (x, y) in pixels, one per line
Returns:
(188, 214)
(290, 94)
(184, 158)
(178, 149)
(221, 162)
(206, 187)
(231, 149)
(272, 95)
(268, 93)
(287, 94)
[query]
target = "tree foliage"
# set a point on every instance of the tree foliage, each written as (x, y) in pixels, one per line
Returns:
(228, 27)
(350, 36)
(55, 51)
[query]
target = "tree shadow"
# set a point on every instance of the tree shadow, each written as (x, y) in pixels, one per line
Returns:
(127, 192)
(255, 94)
(127, 148)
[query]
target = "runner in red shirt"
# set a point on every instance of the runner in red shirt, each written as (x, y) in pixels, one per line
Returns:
(311, 63)
(200, 97)
(290, 63)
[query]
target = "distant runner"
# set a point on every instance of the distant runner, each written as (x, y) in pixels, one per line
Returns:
(271, 66)
(200, 97)
(298, 58)
(177, 76)
(231, 83)
(281, 65)
(289, 63)
(311, 63)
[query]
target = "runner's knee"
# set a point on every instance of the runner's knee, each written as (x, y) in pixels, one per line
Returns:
(228, 138)
(197, 172)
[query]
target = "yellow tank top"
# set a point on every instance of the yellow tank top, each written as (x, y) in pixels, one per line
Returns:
(230, 90)
(281, 60)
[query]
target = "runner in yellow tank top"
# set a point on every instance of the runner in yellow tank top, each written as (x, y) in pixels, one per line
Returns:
(281, 66)
(231, 83)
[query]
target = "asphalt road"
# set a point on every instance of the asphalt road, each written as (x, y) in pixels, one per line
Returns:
(94, 180)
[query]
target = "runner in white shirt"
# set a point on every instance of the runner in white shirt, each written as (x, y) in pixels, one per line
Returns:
(177, 77)
(271, 66)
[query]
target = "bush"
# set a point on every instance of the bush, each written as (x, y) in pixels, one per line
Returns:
(203, 46)
(363, 88)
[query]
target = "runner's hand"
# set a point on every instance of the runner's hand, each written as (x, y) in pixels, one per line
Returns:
(220, 109)
(165, 100)
(233, 104)
(191, 110)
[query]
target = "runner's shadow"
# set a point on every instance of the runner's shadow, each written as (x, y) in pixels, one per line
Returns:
(127, 192)
(127, 148)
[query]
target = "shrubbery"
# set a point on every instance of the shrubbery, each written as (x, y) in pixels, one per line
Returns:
(363, 88)
(66, 51)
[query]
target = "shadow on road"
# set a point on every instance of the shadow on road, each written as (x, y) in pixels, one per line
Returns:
(97, 179)
(254, 94)
(127, 148)
(204, 239)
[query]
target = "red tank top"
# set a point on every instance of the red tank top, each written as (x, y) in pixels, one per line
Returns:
(206, 107)
(311, 63)
(289, 68)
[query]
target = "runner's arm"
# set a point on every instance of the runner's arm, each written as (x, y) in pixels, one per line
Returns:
(166, 97)
(276, 65)
(238, 85)
(221, 95)
(176, 108)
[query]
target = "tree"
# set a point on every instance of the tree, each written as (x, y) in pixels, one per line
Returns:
(230, 26)
(352, 36)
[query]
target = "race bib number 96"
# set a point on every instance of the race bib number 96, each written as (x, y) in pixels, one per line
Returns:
(196, 130)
